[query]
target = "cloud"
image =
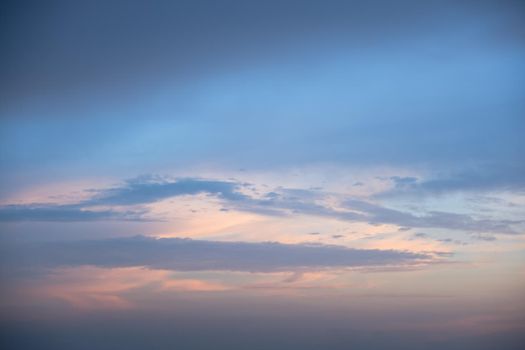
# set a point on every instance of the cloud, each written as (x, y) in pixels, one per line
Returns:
(53, 212)
(149, 189)
(490, 177)
(482, 237)
(442, 240)
(280, 202)
(403, 182)
(196, 255)
(138, 191)
(486, 177)
(377, 214)
(451, 241)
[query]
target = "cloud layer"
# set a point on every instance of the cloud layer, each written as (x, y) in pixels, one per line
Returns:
(195, 255)
(281, 202)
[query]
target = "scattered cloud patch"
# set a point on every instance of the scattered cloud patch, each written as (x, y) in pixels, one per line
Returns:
(452, 241)
(377, 214)
(482, 237)
(403, 182)
(421, 235)
(486, 177)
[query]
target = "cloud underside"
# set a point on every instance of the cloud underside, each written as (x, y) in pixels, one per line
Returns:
(197, 255)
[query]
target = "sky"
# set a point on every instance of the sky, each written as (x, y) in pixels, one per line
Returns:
(262, 174)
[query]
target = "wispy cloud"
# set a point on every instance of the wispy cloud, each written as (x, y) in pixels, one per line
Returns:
(377, 214)
(134, 192)
(488, 177)
(107, 204)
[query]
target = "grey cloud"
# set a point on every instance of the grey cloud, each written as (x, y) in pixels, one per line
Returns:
(138, 191)
(452, 241)
(53, 212)
(362, 211)
(482, 237)
(487, 177)
(436, 219)
(402, 182)
(194, 255)
(150, 189)
(443, 240)
(420, 235)
(490, 177)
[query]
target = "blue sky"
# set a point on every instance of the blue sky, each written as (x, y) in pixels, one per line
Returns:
(158, 154)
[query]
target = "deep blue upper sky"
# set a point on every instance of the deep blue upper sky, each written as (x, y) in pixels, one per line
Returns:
(92, 88)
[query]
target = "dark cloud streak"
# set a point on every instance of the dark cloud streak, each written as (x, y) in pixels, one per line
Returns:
(197, 255)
